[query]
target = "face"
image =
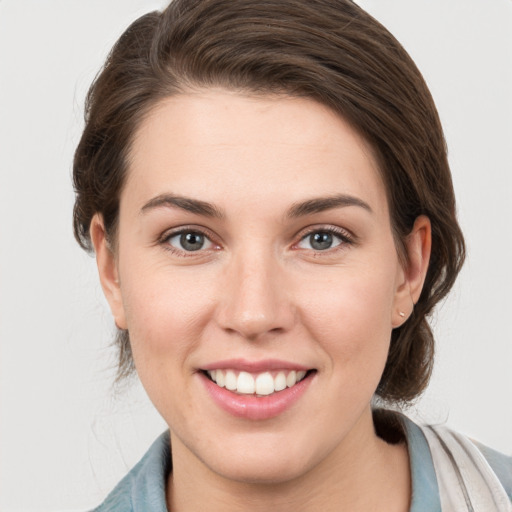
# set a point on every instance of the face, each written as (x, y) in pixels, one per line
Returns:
(257, 275)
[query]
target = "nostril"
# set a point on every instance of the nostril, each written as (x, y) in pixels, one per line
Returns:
(254, 328)
(254, 301)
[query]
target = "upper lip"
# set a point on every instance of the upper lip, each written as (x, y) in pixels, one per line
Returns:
(254, 366)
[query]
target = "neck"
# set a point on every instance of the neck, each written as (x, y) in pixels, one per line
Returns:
(363, 473)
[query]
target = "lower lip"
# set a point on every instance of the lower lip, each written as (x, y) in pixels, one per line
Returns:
(254, 407)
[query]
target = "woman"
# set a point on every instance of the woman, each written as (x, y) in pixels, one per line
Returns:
(266, 189)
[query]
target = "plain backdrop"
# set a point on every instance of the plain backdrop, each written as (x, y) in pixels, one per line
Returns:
(66, 436)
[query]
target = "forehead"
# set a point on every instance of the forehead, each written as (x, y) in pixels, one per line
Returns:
(223, 145)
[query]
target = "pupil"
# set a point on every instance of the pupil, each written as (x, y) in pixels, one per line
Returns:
(320, 241)
(192, 241)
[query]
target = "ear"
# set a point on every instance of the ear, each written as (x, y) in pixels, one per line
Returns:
(418, 245)
(107, 269)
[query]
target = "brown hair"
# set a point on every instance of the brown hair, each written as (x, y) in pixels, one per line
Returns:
(328, 50)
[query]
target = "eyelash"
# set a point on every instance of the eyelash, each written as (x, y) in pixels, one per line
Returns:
(344, 236)
(166, 237)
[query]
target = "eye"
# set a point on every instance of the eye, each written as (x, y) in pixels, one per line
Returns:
(322, 240)
(189, 241)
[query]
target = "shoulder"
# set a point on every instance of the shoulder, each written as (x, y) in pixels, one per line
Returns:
(143, 488)
(466, 471)
(469, 453)
(500, 463)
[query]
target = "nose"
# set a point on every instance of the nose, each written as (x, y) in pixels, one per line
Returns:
(255, 302)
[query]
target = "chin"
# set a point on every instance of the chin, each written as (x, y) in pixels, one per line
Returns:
(260, 472)
(265, 460)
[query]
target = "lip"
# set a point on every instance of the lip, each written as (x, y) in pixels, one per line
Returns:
(244, 365)
(252, 407)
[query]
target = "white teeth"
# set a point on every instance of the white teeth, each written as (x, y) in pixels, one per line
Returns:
(231, 380)
(261, 384)
(264, 384)
(245, 383)
(280, 381)
(291, 379)
(220, 378)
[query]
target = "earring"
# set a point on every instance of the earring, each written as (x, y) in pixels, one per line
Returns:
(402, 314)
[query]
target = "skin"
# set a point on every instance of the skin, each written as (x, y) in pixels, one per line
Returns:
(258, 289)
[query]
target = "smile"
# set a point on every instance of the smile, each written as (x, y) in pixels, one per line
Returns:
(259, 384)
(256, 391)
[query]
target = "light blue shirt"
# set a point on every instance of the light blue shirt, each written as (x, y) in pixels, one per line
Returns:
(143, 488)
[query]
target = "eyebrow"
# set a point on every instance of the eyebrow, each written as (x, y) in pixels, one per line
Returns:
(185, 203)
(321, 204)
(311, 206)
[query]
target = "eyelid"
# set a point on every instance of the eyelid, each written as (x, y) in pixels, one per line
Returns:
(179, 230)
(346, 237)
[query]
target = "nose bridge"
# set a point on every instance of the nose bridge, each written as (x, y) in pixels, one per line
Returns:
(255, 301)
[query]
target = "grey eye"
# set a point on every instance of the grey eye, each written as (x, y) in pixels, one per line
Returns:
(320, 241)
(189, 241)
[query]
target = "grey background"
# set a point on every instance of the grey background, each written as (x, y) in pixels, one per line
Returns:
(65, 437)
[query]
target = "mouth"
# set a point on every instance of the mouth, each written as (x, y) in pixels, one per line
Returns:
(259, 384)
(256, 390)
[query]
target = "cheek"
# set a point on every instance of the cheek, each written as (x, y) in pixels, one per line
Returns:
(351, 318)
(165, 314)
